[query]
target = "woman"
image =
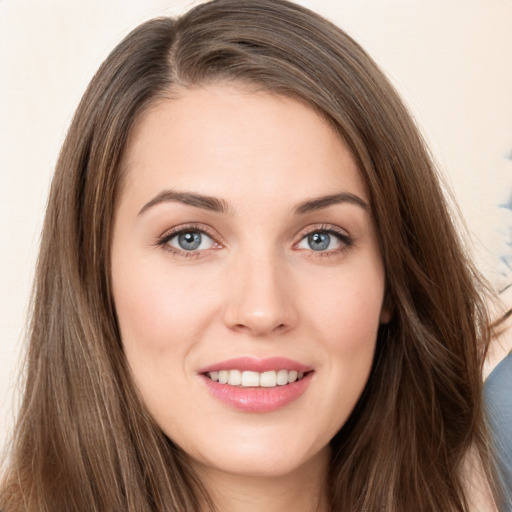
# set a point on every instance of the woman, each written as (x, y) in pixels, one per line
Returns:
(250, 294)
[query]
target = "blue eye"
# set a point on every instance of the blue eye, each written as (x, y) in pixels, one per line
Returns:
(323, 240)
(190, 241)
(319, 241)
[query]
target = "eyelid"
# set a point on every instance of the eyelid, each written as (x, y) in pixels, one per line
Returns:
(164, 238)
(345, 238)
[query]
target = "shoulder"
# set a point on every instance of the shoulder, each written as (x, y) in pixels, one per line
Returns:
(498, 398)
(501, 344)
(498, 404)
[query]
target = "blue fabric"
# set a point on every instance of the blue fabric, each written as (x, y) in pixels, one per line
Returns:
(498, 399)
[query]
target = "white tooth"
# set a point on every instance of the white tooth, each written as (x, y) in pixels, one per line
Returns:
(250, 379)
(300, 375)
(268, 379)
(282, 377)
(223, 376)
(235, 378)
(214, 376)
(292, 376)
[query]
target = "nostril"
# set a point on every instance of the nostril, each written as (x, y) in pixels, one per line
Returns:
(259, 329)
(251, 313)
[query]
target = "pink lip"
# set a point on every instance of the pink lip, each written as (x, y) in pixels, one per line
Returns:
(258, 399)
(257, 365)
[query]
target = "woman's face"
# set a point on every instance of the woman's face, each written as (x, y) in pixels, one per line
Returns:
(244, 250)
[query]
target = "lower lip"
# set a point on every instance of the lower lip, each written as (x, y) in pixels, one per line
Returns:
(258, 399)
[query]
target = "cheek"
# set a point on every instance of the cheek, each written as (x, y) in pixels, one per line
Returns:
(346, 317)
(348, 309)
(160, 313)
(161, 317)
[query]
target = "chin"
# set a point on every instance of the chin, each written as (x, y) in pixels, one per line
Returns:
(256, 456)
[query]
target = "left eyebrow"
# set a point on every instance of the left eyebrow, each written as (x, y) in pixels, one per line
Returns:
(318, 203)
(189, 198)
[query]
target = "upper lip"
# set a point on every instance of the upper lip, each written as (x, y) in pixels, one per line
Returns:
(256, 365)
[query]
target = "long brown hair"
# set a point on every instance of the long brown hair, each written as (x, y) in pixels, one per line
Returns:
(84, 441)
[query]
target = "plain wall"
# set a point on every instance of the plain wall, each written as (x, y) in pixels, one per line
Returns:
(451, 60)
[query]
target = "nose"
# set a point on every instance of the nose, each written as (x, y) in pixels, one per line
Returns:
(260, 298)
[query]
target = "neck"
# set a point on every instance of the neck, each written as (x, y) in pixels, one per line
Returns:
(302, 490)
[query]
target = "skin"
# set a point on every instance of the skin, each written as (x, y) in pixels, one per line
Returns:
(255, 288)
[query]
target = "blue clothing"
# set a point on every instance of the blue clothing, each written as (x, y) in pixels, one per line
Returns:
(498, 400)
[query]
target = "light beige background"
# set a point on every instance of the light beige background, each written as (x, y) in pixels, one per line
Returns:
(450, 59)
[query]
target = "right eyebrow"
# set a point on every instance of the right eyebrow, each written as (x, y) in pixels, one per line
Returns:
(192, 199)
(325, 201)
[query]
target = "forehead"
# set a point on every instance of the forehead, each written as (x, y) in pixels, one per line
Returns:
(230, 140)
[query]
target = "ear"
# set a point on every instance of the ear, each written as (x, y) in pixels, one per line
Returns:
(386, 312)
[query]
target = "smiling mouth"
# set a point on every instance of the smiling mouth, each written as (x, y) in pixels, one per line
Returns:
(250, 379)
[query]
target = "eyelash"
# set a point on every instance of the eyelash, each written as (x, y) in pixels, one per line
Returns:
(346, 240)
(164, 240)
